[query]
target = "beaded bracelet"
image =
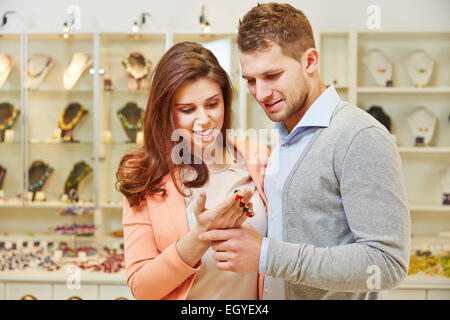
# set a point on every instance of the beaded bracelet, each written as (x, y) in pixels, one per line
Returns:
(75, 211)
(245, 208)
(75, 229)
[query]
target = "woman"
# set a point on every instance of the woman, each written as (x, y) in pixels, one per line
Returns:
(173, 192)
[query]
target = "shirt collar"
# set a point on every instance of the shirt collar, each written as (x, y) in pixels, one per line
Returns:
(318, 114)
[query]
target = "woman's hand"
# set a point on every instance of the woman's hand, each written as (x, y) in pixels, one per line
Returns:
(227, 214)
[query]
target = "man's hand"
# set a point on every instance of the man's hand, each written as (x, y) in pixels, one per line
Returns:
(236, 249)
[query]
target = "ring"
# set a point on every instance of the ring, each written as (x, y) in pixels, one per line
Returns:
(238, 197)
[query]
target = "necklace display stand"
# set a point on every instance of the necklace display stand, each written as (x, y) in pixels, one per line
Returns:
(79, 171)
(446, 187)
(138, 71)
(38, 174)
(420, 67)
(6, 65)
(132, 119)
(78, 64)
(380, 67)
(2, 176)
(8, 117)
(378, 113)
(69, 119)
(422, 124)
(38, 67)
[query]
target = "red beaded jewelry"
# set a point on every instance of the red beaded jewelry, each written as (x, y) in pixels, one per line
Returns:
(245, 208)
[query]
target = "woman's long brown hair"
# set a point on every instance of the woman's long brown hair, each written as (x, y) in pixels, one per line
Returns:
(141, 172)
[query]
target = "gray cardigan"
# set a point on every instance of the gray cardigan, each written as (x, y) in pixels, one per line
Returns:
(346, 222)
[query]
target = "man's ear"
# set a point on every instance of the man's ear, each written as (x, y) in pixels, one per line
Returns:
(311, 60)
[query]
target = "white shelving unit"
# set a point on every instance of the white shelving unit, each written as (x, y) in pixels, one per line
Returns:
(341, 53)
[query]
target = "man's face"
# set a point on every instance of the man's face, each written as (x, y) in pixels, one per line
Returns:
(277, 82)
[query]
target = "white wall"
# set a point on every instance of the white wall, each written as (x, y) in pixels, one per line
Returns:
(177, 15)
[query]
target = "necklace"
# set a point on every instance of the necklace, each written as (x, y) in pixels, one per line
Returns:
(128, 125)
(49, 61)
(136, 65)
(73, 122)
(379, 66)
(420, 67)
(11, 120)
(38, 185)
(74, 182)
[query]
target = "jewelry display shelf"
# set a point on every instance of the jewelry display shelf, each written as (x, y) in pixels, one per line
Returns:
(404, 90)
(444, 209)
(57, 204)
(86, 277)
(424, 281)
(428, 151)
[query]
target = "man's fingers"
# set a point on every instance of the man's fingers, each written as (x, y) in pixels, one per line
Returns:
(224, 266)
(216, 235)
(222, 256)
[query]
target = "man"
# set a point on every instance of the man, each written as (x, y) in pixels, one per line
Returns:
(339, 225)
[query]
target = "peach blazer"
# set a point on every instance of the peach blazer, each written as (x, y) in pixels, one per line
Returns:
(153, 267)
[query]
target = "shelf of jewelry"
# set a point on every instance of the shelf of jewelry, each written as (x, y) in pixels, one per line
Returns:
(350, 76)
(423, 165)
(10, 93)
(420, 79)
(50, 93)
(123, 85)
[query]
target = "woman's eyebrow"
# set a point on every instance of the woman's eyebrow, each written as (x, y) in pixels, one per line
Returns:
(190, 103)
(218, 94)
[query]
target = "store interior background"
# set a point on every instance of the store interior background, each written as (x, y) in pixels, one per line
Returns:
(178, 16)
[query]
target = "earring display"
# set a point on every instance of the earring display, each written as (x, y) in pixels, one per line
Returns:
(132, 119)
(8, 117)
(6, 65)
(422, 124)
(378, 113)
(38, 67)
(2, 176)
(445, 180)
(138, 70)
(420, 67)
(380, 67)
(79, 171)
(77, 66)
(38, 174)
(69, 119)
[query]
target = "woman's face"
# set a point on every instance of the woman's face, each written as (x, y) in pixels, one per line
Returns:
(199, 110)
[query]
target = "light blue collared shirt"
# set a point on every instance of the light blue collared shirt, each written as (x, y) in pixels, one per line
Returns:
(281, 162)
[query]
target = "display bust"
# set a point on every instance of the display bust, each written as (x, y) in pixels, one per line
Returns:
(422, 125)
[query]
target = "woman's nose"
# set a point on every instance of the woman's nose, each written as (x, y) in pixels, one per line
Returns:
(202, 119)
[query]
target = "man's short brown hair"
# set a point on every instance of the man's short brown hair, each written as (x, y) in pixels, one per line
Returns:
(275, 22)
